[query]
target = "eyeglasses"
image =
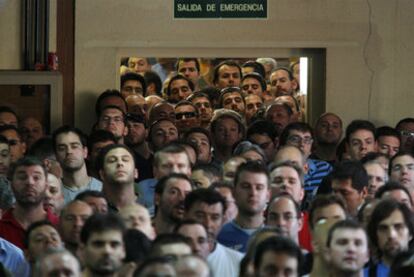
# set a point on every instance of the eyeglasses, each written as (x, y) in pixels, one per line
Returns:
(298, 140)
(407, 133)
(186, 115)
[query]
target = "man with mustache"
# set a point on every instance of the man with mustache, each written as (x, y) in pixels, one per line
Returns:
(390, 230)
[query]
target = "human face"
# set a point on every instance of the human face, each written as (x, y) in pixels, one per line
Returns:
(32, 130)
(388, 145)
(210, 216)
(251, 193)
(131, 87)
(161, 111)
(348, 251)
(103, 252)
(179, 90)
(136, 133)
(228, 76)
(17, 146)
(393, 235)
(54, 197)
(402, 171)
(398, 195)
(328, 130)
(265, 143)
(139, 65)
(203, 144)
(227, 132)
(7, 118)
(60, 264)
(172, 163)
(377, 176)
(96, 148)
(278, 115)
(286, 179)
(198, 236)
(360, 143)
(98, 204)
(163, 133)
(352, 197)
(281, 84)
(252, 86)
(302, 140)
(113, 120)
(4, 159)
(72, 220)
(137, 217)
(171, 202)
(278, 264)
(290, 154)
(186, 117)
(29, 185)
(41, 239)
(282, 214)
(189, 70)
(253, 103)
(204, 108)
(234, 101)
(407, 136)
(290, 101)
(119, 168)
(70, 152)
(332, 213)
(200, 179)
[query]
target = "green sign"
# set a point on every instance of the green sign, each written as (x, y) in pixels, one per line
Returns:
(220, 8)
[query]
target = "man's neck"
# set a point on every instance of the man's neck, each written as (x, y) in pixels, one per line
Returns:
(387, 261)
(142, 149)
(119, 195)
(326, 152)
(223, 153)
(346, 274)
(89, 273)
(248, 221)
(162, 224)
(27, 215)
(78, 179)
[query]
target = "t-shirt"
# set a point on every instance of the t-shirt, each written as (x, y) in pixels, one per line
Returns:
(224, 261)
(381, 270)
(234, 237)
(69, 193)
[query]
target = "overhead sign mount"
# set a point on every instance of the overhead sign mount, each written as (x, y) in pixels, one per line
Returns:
(220, 9)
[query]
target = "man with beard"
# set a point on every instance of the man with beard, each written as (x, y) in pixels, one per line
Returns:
(102, 245)
(282, 82)
(116, 167)
(390, 229)
(28, 183)
(170, 193)
(71, 151)
(328, 133)
(112, 119)
(231, 98)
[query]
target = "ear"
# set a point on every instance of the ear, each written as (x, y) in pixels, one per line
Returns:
(101, 174)
(24, 147)
(85, 152)
(136, 173)
(300, 222)
(157, 198)
(302, 194)
(125, 133)
(364, 192)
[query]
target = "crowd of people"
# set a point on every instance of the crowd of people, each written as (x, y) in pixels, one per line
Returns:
(190, 174)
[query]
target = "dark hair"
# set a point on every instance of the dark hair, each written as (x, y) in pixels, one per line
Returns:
(278, 245)
(187, 222)
(162, 183)
(112, 107)
(137, 246)
(101, 156)
(99, 223)
(231, 63)
(198, 94)
(164, 239)
(213, 94)
(262, 127)
(186, 103)
(399, 154)
(7, 109)
(100, 136)
(358, 124)
(89, 193)
(382, 211)
(353, 170)
(287, 196)
(204, 195)
(34, 226)
(151, 128)
(402, 264)
(151, 77)
(106, 94)
(391, 186)
(372, 156)
(322, 201)
(6, 127)
(179, 77)
(284, 105)
(4, 140)
(134, 77)
(149, 262)
(252, 167)
(65, 129)
(289, 72)
(42, 149)
(387, 131)
(186, 60)
(209, 169)
(26, 161)
(228, 90)
(292, 165)
(295, 126)
(403, 121)
(258, 68)
(198, 130)
(343, 224)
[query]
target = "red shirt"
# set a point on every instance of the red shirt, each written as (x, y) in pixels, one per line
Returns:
(305, 239)
(12, 231)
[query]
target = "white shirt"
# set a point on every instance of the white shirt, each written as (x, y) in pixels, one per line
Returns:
(224, 261)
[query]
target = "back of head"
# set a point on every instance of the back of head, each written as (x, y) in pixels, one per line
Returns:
(353, 170)
(204, 195)
(99, 223)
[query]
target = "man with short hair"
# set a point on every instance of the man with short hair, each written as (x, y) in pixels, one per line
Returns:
(326, 207)
(161, 110)
(251, 192)
(97, 140)
(391, 230)
(253, 104)
(396, 191)
(139, 65)
(179, 88)
(227, 74)
(57, 262)
(232, 99)
(136, 216)
(102, 245)
(186, 116)
(31, 130)
(402, 170)
(112, 119)
(8, 116)
(95, 199)
(406, 128)
(253, 83)
(43, 149)
(16, 143)
(170, 193)
(110, 98)
(282, 82)
(71, 151)
(207, 207)
(360, 139)
(280, 114)
(347, 250)
(72, 219)
(132, 84)
(197, 234)
(170, 245)
(204, 107)
(190, 68)
(264, 134)
(389, 140)
(28, 183)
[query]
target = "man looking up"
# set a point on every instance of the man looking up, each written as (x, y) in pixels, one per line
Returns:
(116, 166)
(71, 151)
(28, 183)
(360, 139)
(179, 88)
(227, 74)
(251, 192)
(391, 230)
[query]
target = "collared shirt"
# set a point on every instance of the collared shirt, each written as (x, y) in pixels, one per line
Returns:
(13, 259)
(13, 231)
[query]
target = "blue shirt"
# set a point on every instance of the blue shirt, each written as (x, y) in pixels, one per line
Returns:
(382, 270)
(13, 259)
(234, 237)
(146, 190)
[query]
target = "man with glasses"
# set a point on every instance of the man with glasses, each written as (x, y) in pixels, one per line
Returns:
(112, 119)
(186, 116)
(300, 134)
(406, 128)
(132, 83)
(402, 170)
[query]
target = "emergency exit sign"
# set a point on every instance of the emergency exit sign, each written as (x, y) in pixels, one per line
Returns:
(220, 9)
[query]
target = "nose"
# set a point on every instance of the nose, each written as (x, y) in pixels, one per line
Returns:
(392, 233)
